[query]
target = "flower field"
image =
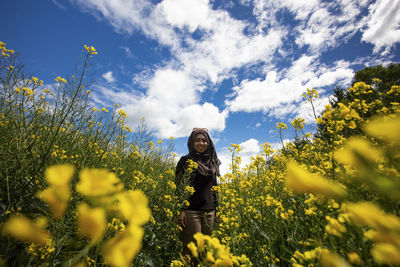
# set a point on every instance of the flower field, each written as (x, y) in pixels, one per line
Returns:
(81, 188)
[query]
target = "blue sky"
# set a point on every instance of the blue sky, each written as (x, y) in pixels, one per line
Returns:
(235, 67)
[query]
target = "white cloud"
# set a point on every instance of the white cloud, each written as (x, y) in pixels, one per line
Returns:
(187, 14)
(108, 76)
(383, 27)
(174, 88)
(171, 121)
(318, 25)
(249, 148)
(172, 103)
(104, 93)
(225, 157)
(279, 96)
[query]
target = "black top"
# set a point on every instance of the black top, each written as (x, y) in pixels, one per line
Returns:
(203, 198)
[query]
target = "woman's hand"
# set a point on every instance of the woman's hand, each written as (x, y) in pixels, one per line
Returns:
(182, 219)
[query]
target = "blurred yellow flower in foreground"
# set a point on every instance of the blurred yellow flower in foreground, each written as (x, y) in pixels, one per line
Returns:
(98, 182)
(331, 259)
(91, 222)
(386, 253)
(368, 213)
(119, 251)
(134, 207)
(193, 249)
(59, 175)
(58, 193)
(356, 153)
(387, 128)
(56, 199)
(354, 258)
(24, 229)
(300, 180)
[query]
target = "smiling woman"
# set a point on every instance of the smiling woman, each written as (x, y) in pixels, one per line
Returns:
(199, 214)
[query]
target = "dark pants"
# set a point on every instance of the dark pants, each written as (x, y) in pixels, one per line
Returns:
(196, 221)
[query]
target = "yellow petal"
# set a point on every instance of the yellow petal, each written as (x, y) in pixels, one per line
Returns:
(59, 174)
(91, 222)
(22, 228)
(300, 180)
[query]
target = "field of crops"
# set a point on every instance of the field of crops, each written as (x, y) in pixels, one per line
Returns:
(81, 188)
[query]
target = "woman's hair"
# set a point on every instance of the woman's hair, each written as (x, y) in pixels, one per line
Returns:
(208, 162)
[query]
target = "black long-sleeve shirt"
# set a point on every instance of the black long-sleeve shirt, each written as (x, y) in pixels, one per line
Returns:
(203, 197)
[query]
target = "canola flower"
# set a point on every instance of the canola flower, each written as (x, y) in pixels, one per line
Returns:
(119, 251)
(210, 252)
(58, 193)
(98, 182)
(24, 229)
(91, 222)
(300, 180)
(367, 213)
(133, 206)
(386, 128)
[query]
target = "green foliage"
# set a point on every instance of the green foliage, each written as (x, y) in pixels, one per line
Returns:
(46, 125)
(389, 76)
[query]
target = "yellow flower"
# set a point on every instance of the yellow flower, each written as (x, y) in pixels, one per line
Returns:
(176, 263)
(354, 258)
(357, 152)
(58, 193)
(59, 175)
(387, 128)
(122, 113)
(300, 180)
(384, 253)
(193, 249)
(134, 207)
(331, 259)
(189, 189)
(98, 182)
(368, 213)
(320, 120)
(56, 199)
(352, 125)
(119, 251)
(192, 165)
(334, 227)
(298, 123)
(91, 222)
(309, 211)
(281, 125)
(209, 257)
(201, 240)
(22, 228)
(27, 91)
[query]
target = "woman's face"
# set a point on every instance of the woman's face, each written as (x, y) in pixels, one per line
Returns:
(200, 143)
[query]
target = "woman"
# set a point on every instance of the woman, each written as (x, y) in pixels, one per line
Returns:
(200, 214)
